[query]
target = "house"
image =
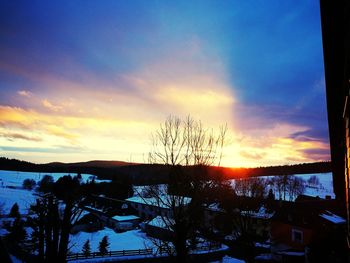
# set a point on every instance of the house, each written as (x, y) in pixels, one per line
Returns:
(88, 222)
(256, 214)
(305, 227)
(123, 222)
(120, 222)
(159, 227)
(150, 207)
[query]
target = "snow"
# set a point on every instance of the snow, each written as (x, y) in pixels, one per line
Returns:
(262, 245)
(81, 214)
(11, 188)
(15, 178)
(14, 259)
(159, 222)
(3, 232)
(262, 213)
(292, 253)
(227, 259)
(163, 200)
(266, 257)
(325, 187)
(215, 207)
(333, 218)
(130, 240)
(230, 238)
(114, 259)
(24, 199)
(94, 208)
(134, 239)
(125, 218)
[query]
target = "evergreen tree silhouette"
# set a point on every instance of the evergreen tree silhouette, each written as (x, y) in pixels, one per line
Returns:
(14, 211)
(103, 246)
(86, 248)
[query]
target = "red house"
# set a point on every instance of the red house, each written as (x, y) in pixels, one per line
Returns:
(302, 225)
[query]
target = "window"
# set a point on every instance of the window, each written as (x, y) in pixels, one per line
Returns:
(297, 236)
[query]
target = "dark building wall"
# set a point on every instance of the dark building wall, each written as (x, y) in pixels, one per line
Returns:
(335, 19)
(334, 31)
(282, 233)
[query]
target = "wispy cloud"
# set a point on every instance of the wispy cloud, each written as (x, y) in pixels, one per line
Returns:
(47, 104)
(25, 93)
(14, 136)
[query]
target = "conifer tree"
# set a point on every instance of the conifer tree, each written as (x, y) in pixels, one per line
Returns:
(14, 211)
(86, 248)
(103, 246)
(17, 233)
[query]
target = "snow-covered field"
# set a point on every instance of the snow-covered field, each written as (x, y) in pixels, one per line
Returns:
(14, 179)
(10, 196)
(134, 239)
(130, 240)
(324, 188)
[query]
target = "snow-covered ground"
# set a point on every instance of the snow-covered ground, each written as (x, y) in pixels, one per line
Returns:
(324, 188)
(130, 240)
(227, 259)
(134, 239)
(9, 196)
(15, 179)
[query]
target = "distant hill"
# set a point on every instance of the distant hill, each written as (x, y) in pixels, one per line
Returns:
(94, 163)
(304, 168)
(156, 173)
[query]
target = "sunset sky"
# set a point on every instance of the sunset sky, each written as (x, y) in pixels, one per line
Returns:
(87, 80)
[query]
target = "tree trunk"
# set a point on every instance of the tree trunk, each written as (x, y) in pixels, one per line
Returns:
(66, 225)
(48, 232)
(55, 229)
(41, 237)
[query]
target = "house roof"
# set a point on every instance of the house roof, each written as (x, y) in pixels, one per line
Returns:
(262, 213)
(335, 219)
(308, 214)
(125, 218)
(163, 201)
(161, 222)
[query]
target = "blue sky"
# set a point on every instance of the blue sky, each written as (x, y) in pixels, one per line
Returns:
(84, 80)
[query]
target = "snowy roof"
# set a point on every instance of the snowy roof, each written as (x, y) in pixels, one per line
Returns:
(94, 208)
(215, 207)
(164, 201)
(262, 213)
(329, 216)
(125, 218)
(161, 222)
(292, 253)
(82, 214)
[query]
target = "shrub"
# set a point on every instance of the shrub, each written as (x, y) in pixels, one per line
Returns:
(28, 184)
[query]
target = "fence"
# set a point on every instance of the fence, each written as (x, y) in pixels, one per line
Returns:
(118, 253)
(135, 252)
(170, 250)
